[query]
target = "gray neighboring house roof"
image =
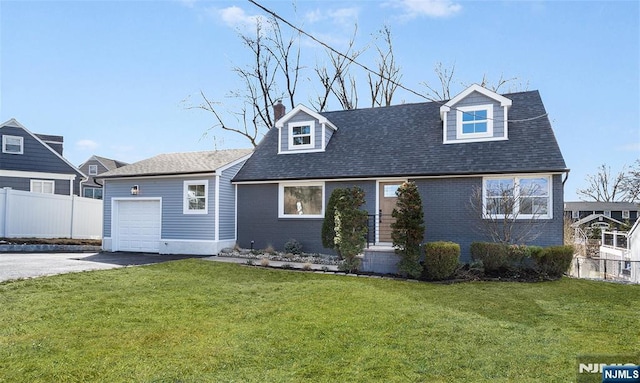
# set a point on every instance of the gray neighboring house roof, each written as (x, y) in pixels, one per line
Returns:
(600, 206)
(179, 163)
(107, 162)
(592, 217)
(406, 140)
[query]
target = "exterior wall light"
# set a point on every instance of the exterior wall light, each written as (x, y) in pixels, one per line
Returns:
(135, 190)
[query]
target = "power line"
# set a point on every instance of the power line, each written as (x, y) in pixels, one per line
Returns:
(366, 68)
(353, 61)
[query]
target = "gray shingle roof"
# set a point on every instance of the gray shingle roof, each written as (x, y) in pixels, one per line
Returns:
(406, 140)
(599, 206)
(179, 163)
(109, 163)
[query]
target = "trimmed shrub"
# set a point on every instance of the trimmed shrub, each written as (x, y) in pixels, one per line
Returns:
(494, 256)
(441, 260)
(345, 226)
(553, 261)
(407, 232)
(292, 246)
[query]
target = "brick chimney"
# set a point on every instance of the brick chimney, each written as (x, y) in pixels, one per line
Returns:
(279, 110)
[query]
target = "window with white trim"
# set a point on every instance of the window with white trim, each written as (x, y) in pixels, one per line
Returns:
(625, 214)
(196, 199)
(517, 197)
(575, 214)
(43, 186)
(607, 213)
(12, 144)
(95, 193)
(93, 170)
(301, 200)
(474, 121)
(301, 135)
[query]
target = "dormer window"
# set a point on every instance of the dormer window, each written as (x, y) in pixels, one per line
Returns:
(303, 131)
(475, 121)
(477, 114)
(301, 135)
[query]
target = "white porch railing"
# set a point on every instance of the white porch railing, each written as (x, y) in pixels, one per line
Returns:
(623, 248)
(615, 244)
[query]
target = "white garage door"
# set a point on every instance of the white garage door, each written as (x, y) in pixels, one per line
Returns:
(138, 226)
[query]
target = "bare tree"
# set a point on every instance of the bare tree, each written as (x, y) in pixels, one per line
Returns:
(513, 84)
(275, 59)
(443, 90)
(631, 183)
(337, 80)
(603, 187)
(383, 84)
(286, 52)
(509, 215)
(445, 76)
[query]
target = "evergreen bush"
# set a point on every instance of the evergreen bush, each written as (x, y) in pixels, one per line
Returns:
(440, 260)
(494, 256)
(554, 261)
(345, 225)
(408, 229)
(293, 247)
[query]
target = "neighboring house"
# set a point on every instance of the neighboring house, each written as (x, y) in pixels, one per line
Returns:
(479, 140)
(601, 214)
(93, 167)
(179, 203)
(34, 162)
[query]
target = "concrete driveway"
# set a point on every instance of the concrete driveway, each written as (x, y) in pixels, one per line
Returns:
(30, 265)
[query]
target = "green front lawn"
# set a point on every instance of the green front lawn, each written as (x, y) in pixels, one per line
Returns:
(202, 321)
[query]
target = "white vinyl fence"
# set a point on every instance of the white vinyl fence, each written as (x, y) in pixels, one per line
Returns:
(36, 215)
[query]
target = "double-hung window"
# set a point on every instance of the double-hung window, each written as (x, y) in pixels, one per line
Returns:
(475, 121)
(301, 135)
(195, 197)
(93, 170)
(42, 186)
(12, 144)
(517, 197)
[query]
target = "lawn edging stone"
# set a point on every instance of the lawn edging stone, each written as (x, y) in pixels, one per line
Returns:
(48, 248)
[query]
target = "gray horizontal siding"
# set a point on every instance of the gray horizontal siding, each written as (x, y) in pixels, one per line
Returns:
(175, 224)
(476, 98)
(227, 201)
(91, 182)
(301, 117)
(61, 186)
(37, 157)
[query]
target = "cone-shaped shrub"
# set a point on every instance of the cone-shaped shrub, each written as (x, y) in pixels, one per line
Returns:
(408, 229)
(345, 225)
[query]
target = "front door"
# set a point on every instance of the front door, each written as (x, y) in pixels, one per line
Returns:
(387, 202)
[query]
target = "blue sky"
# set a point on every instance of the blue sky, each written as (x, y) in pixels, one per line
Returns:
(115, 77)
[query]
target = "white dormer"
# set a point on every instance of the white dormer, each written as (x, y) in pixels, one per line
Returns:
(303, 130)
(476, 114)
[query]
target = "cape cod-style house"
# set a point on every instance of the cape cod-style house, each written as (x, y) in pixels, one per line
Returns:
(477, 141)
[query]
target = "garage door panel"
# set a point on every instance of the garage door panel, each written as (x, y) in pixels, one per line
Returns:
(138, 226)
